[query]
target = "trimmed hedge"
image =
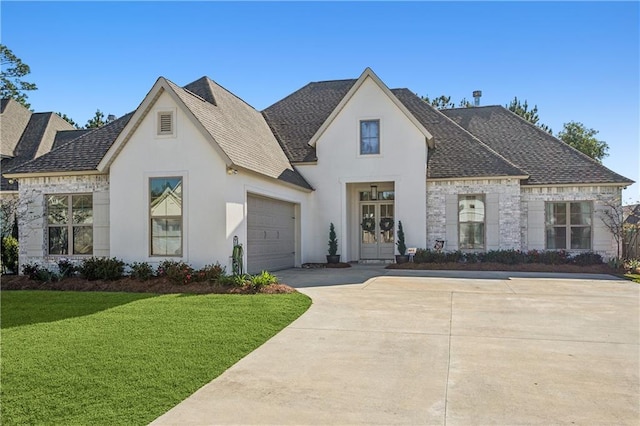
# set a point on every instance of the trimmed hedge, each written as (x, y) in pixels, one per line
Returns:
(508, 257)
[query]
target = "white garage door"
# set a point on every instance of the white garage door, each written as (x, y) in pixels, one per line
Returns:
(271, 234)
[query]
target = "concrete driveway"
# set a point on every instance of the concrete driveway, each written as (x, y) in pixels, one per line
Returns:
(436, 348)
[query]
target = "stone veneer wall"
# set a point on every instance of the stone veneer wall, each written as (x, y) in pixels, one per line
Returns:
(507, 192)
(602, 240)
(32, 210)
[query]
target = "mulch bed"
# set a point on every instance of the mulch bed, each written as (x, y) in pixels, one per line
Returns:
(154, 285)
(525, 267)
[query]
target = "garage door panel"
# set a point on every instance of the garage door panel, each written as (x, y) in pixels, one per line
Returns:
(270, 234)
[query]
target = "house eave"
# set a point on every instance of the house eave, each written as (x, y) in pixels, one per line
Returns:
(53, 174)
(271, 178)
(490, 177)
(582, 184)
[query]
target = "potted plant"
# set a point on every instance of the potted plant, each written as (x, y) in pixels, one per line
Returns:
(332, 257)
(402, 247)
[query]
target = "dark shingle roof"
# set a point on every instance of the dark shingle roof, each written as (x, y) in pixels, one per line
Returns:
(546, 159)
(457, 153)
(37, 139)
(81, 154)
(64, 136)
(295, 119)
(238, 128)
(240, 131)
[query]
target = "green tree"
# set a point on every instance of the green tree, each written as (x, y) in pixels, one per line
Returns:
(12, 70)
(531, 115)
(97, 120)
(445, 102)
(441, 102)
(583, 139)
(69, 120)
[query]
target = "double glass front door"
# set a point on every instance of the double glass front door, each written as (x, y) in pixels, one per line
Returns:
(377, 230)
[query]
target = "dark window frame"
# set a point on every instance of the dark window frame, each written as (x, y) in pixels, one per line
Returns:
(70, 225)
(362, 138)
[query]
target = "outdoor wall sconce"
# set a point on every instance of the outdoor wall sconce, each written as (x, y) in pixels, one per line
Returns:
(374, 192)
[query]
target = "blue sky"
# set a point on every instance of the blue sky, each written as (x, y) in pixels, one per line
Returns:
(575, 61)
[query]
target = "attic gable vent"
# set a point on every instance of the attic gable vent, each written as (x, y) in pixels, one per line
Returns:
(165, 123)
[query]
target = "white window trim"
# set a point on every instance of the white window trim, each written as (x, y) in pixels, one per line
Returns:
(156, 129)
(568, 225)
(359, 137)
(484, 222)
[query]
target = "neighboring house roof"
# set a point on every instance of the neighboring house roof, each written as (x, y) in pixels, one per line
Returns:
(80, 154)
(14, 118)
(457, 153)
(546, 159)
(36, 140)
(295, 119)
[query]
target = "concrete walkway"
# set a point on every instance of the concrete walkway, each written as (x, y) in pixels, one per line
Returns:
(439, 348)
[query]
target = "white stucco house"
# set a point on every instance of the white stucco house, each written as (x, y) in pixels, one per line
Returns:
(195, 166)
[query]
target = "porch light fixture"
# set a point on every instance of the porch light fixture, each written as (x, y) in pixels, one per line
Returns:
(374, 192)
(231, 171)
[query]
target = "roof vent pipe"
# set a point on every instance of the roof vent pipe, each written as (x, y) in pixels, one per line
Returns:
(476, 97)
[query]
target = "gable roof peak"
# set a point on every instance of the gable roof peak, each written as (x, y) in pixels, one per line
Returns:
(202, 88)
(368, 73)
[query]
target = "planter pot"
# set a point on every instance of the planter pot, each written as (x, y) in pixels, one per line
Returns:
(333, 259)
(402, 258)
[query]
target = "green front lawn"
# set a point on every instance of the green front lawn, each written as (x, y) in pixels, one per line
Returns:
(124, 358)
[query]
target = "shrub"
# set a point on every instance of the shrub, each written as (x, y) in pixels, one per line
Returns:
(631, 265)
(66, 268)
(454, 256)
(234, 280)
(141, 271)
(9, 254)
(532, 256)
(587, 258)
(263, 279)
(402, 247)
(210, 273)
(428, 256)
(559, 257)
(333, 241)
(473, 257)
(616, 263)
(506, 257)
(177, 272)
(39, 273)
(98, 268)
(31, 270)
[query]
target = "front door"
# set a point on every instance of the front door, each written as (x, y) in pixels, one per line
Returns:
(377, 229)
